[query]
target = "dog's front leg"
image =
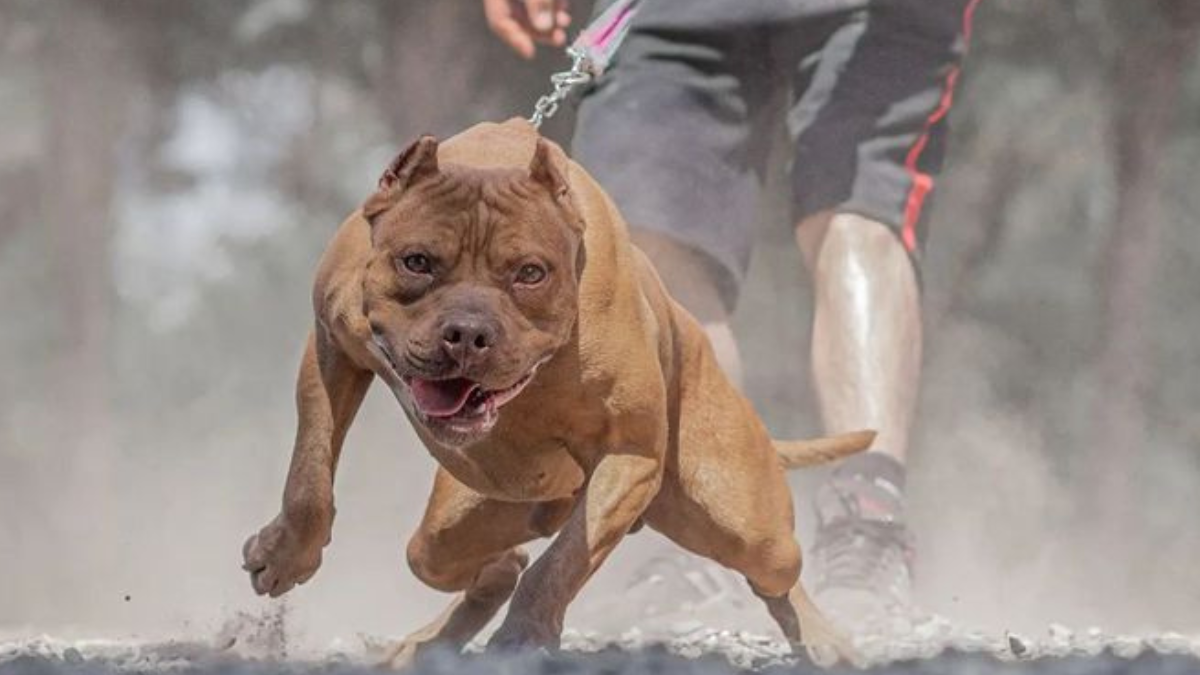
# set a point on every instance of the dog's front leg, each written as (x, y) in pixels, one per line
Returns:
(620, 489)
(287, 551)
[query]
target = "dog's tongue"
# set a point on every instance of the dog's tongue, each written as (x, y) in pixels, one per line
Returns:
(441, 398)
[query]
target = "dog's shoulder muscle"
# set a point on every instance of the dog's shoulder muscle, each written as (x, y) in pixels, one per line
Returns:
(337, 288)
(621, 328)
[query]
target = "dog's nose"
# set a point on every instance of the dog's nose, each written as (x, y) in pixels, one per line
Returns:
(466, 337)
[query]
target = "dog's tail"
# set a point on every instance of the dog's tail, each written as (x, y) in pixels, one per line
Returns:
(797, 454)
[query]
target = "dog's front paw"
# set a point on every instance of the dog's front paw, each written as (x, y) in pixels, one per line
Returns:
(521, 633)
(279, 557)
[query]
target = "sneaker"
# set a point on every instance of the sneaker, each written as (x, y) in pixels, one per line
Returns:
(678, 582)
(675, 593)
(863, 551)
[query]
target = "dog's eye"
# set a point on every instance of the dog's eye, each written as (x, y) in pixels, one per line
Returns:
(417, 263)
(531, 274)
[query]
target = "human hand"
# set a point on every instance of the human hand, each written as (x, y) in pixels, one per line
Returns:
(523, 24)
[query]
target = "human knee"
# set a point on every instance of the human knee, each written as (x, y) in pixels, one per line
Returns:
(862, 236)
(838, 236)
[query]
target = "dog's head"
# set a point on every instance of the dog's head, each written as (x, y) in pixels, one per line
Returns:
(473, 283)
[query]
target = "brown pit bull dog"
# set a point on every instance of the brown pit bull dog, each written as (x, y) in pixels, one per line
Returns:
(492, 285)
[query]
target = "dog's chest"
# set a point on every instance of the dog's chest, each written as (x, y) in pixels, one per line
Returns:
(517, 470)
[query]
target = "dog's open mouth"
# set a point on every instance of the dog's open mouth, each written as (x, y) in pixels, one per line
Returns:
(459, 406)
(461, 399)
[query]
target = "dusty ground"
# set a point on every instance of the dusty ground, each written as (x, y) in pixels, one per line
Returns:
(257, 645)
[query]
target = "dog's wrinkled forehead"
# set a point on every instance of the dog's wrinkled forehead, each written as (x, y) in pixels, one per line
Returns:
(415, 191)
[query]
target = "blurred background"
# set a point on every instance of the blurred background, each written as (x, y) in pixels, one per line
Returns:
(170, 172)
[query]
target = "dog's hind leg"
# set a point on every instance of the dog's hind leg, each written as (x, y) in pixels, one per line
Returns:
(735, 508)
(470, 545)
(804, 625)
(761, 546)
(752, 536)
(468, 613)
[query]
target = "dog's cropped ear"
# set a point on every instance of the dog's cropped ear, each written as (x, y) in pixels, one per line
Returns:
(545, 170)
(416, 163)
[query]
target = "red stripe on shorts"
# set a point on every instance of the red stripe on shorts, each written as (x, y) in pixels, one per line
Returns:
(922, 183)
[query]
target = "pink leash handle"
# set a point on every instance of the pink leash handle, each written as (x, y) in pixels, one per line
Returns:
(598, 42)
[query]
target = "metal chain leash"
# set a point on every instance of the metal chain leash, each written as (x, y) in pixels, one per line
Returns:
(564, 82)
(591, 53)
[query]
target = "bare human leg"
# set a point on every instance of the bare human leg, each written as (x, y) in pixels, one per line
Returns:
(866, 354)
(866, 349)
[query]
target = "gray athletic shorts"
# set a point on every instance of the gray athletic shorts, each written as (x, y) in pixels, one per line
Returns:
(678, 130)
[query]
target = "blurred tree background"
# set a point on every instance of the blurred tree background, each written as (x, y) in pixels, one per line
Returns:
(170, 172)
